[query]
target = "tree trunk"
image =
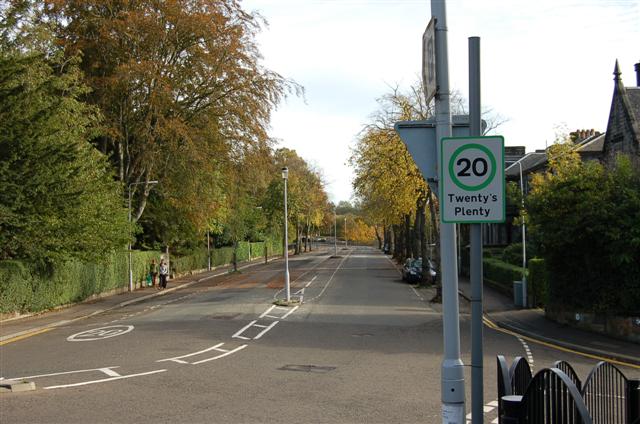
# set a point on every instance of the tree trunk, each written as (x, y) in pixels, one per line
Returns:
(397, 241)
(235, 256)
(407, 236)
(375, 227)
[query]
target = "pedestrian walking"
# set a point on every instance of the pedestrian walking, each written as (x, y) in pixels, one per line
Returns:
(153, 271)
(164, 274)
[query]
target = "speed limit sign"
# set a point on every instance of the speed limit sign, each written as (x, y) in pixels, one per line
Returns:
(472, 179)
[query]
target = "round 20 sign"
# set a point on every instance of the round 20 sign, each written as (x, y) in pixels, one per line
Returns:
(472, 180)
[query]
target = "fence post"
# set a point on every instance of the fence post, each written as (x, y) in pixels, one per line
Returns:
(510, 409)
(633, 401)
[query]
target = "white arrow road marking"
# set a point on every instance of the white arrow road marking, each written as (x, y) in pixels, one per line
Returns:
(104, 380)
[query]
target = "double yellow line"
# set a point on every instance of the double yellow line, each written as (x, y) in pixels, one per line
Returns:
(25, 336)
(494, 326)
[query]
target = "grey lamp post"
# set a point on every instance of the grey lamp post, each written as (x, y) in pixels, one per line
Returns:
(335, 233)
(524, 245)
(285, 177)
(345, 231)
(130, 270)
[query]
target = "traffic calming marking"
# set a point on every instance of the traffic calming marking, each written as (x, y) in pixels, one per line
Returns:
(100, 333)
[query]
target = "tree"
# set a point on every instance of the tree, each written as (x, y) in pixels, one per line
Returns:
(585, 221)
(57, 195)
(178, 82)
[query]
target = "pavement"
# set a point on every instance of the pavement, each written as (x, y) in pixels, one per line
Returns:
(499, 311)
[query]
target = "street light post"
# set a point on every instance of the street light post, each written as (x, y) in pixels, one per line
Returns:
(285, 176)
(524, 243)
(335, 233)
(345, 232)
(129, 190)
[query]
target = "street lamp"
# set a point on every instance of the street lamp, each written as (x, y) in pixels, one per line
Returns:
(285, 176)
(130, 270)
(335, 233)
(524, 243)
(345, 231)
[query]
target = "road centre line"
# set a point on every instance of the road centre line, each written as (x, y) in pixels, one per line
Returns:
(275, 296)
(104, 380)
(331, 278)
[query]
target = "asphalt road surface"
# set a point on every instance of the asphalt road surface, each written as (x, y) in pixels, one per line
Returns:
(362, 347)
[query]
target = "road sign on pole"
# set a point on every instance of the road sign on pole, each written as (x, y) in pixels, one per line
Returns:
(472, 180)
(429, 60)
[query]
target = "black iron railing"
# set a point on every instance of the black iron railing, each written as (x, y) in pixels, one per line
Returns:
(556, 395)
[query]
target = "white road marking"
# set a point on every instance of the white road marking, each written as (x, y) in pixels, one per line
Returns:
(417, 294)
(242, 330)
(178, 358)
(104, 380)
(493, 403)
(309, 283)
(266, 313)
(61, 373)
(331, 278)
(266, 329)
(528, 351)
(100, 333)
(290, 312)
(226, 353)
(110, 372)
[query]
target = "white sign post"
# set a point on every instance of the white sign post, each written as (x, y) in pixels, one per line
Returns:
(472, 180)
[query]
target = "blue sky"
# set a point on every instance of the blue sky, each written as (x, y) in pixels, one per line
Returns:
(546, 65)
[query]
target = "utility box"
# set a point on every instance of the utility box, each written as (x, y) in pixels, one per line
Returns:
(518, 293)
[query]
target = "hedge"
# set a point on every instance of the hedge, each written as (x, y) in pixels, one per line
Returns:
(501, 273)
(24, 289)
(537, 281)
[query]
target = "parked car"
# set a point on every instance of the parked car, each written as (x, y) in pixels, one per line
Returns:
(412, 271)
(432, 275)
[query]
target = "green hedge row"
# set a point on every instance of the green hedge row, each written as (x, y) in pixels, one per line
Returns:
(501, 273)
(537, 281)
(24, 288)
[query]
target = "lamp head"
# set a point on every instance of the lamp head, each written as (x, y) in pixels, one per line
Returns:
(285, 173)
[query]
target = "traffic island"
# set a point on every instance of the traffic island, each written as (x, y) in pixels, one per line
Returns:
(16, 386)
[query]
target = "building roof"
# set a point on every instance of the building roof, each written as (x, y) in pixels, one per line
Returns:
(529, 162)
(593, 144)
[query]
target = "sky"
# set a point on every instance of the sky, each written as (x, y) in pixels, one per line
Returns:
(546, 66)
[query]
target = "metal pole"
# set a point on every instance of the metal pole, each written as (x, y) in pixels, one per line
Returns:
(130, 270)
(452, 379)
(524, 245)
(208, 252)
(345, 231)
(335, 233)
(475, 255)
(286, 245)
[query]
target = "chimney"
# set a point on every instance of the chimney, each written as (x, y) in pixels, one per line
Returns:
(637, 68)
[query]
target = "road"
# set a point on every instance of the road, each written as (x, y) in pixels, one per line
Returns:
(361, 347)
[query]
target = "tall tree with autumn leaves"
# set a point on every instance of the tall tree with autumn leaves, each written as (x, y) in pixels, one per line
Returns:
(180, 86)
